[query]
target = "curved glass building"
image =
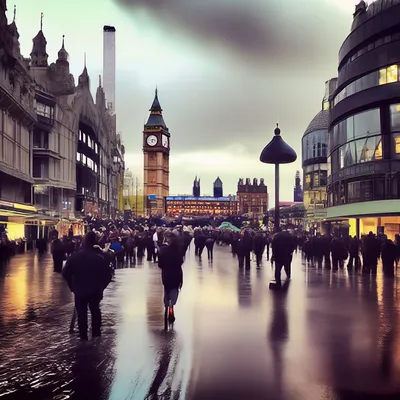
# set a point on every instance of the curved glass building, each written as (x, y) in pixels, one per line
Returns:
(314, 146)
(364, 128)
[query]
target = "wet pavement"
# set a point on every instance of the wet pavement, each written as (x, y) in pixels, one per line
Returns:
(330, 335)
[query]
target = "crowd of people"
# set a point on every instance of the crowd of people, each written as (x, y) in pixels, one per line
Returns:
(360, 254)
(89, 263)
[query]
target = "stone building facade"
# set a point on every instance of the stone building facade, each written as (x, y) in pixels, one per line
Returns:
(17, 119)
(252, 197)
(60, 155)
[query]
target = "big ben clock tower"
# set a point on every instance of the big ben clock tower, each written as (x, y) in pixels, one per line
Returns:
(156, 147)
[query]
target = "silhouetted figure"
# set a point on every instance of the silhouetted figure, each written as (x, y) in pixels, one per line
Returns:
(87, 274)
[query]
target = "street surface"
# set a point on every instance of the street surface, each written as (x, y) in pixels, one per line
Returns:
(331, 335)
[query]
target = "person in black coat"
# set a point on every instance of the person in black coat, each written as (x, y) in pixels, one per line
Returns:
(87, 274)
(259, 247)
(58, 251)
(282, 251)
(170, 261)
(244, 248)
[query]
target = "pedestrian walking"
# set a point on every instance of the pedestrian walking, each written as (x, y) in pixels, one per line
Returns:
(170, 261)
(87, 274)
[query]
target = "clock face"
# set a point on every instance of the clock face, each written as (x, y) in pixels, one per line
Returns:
(152, 140)
(165, 141)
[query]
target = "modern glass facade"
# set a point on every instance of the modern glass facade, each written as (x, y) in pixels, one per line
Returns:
(314, 160)
(364, 128)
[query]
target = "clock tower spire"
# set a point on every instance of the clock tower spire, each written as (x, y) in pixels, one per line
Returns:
(156, 147)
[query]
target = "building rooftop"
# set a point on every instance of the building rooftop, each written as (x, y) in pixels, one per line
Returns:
(319, 122)
(373, 9)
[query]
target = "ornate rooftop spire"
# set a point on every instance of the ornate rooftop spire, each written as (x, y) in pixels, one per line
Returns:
(63, 54)
(156, 119)
(39, 56)
(156, 107)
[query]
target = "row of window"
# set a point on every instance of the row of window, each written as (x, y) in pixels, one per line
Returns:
(44, 110)
(356, 152)
(365, 190)
(316, 179)
(374, 45)
(83, 137)
(87, 161)
(358, 125)
(315, 145)
(380, 77)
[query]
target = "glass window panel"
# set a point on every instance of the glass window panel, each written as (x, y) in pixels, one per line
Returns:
(353, 192)
(347, 155)
(316, 179)
(382, 76)
(367, 123)
(392, 74)
(396, 146)
(395, 116)
(352, 87)
(350, 128)
(369, 149)
(366, 190)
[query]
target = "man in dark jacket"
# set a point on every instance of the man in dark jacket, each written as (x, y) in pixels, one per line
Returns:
(282, 251)
(87, 274)
(170, 262)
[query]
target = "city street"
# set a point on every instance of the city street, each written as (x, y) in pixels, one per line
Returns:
(330, 335)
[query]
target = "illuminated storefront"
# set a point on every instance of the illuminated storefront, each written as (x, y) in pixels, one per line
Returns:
(188, 205)
(364, 133)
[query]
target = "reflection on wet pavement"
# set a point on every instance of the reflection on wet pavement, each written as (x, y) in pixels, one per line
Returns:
(330, 335)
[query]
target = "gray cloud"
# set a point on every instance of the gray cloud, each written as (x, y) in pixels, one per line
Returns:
(275, 57)
(267, 31)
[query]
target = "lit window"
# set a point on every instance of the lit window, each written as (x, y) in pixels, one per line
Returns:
(397, 145)
(326, 105)
(378, 151)
(382, 76)
(392, 74)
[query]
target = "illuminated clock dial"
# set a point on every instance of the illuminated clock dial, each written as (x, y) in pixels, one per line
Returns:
(165, 141)
(152, 140)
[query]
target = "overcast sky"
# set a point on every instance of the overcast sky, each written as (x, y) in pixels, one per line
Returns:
(226, 71)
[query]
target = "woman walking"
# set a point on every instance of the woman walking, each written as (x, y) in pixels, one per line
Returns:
(170, 261)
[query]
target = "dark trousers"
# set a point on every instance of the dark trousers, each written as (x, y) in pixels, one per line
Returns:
(278, 269)
(58, 263)
(200, 251)
(130, 254)
(210, 252)
(259, 258)
(151, 253)
(354, 260)
(244, 259)
(81, 306)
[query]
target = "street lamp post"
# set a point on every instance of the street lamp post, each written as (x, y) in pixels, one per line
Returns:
(276, 152)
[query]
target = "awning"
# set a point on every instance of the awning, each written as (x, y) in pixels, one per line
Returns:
(364, 209)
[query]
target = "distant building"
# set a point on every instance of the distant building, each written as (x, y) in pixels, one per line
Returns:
(196, 187)
(191, 205)
(298, 190)
(252, 197)
(218, 188)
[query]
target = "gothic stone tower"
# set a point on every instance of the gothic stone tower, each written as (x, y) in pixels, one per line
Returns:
(156, 147)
